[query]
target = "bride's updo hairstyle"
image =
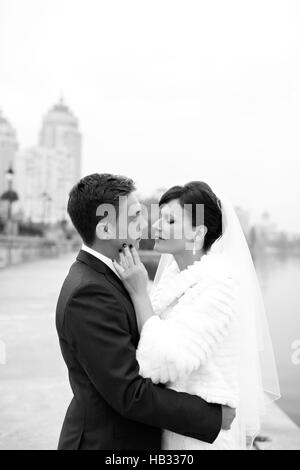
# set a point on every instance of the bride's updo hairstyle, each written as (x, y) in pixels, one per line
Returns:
(198, 192)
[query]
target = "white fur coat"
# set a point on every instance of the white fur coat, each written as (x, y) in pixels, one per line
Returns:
(191, 342)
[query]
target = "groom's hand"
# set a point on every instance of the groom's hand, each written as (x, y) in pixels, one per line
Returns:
(228, 415)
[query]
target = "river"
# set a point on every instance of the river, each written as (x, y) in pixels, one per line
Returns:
(279, 277)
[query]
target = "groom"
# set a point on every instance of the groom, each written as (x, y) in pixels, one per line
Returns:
(113, 407)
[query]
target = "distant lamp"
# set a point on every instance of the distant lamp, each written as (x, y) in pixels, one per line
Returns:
(10, 195)
(9, 175)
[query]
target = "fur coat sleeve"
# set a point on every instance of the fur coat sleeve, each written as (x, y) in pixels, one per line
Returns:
(173, 347)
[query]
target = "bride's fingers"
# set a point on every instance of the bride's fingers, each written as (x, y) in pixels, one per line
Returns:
(128, 257)
(118, 267)
(135, 255)
(123, 260)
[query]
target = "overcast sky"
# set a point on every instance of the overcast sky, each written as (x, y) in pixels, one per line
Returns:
(166, 91)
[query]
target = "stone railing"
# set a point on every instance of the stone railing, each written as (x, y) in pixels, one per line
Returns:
(18, 249)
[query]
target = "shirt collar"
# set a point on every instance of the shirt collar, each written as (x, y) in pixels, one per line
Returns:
(101, 257)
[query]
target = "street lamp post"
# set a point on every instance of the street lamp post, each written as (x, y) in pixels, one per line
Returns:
(9, 178)
(10, 196)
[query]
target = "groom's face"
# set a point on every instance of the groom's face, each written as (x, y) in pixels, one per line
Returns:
(130, 222)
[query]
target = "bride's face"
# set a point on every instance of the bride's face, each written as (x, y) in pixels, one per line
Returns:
(173, 230)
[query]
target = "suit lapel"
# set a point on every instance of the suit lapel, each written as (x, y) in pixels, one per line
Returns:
(111, 277)
(116, 281)
(101, 267)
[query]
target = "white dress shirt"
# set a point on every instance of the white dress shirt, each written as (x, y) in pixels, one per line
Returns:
(100, 256)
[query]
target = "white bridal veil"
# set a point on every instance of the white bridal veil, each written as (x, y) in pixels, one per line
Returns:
(258, 379)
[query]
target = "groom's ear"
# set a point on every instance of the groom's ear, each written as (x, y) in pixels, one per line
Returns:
(105, 230)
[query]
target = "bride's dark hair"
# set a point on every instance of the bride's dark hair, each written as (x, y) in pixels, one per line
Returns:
(198, 192)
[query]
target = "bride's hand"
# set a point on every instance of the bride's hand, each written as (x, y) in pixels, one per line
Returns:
(132, 272)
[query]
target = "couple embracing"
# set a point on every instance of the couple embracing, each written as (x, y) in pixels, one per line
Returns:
(186, 364)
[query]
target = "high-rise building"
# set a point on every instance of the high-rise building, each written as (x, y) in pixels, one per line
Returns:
(44, 179)
(60, 130)
(46, 173)
(8, 150)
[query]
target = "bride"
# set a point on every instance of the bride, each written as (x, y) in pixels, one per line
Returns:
(203, 327)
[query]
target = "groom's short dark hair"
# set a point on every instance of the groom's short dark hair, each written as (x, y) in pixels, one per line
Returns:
(86, 196)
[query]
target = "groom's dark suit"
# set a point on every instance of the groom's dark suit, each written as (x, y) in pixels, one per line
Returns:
(113, 406)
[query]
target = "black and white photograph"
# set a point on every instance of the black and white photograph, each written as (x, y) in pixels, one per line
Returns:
(149, 227)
